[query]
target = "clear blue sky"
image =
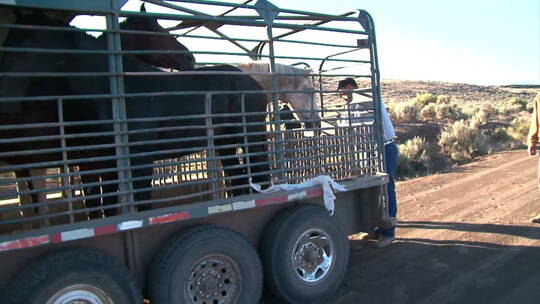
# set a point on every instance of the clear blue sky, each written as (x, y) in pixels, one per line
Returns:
(470, 41)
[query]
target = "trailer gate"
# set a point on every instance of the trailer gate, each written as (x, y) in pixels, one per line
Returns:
(44, 198)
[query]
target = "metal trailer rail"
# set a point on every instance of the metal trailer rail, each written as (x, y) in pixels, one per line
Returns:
(44, 200)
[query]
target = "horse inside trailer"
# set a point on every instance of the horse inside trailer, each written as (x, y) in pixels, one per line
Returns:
(179, 107)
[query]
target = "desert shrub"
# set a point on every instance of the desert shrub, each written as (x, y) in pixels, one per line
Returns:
(483, 115)
(449, 112)
(462, 141)
(500, 134)
(518, 102)
(390, 107)
(469, 109)
(429, 112)
(404, 167)
(514, 105)
(509, 109)
(519, 129)
(426, 98)
(530, 105)
(443, 99)
(406, 111)
(414, 156)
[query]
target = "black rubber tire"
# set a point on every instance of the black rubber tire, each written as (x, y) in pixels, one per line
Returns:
(277, 249)
(40, 281)
(177, 261)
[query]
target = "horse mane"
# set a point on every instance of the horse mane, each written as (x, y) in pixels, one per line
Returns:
(288, 76)
(280, 68)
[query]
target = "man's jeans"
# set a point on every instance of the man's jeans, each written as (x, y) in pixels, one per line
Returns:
(391, 153)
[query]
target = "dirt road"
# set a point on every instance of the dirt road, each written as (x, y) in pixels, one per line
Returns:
(463, 237)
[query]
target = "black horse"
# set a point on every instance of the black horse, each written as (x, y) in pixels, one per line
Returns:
(96, 113)
(160, 40)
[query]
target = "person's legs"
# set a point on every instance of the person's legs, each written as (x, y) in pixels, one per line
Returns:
(536, 219)
(391, 153)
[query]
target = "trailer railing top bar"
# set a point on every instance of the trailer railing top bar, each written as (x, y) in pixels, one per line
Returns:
(244, 22)
(280, 10)
(92, 52)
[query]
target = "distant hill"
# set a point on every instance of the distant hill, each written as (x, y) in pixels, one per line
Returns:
(523, 86)
(402, 90)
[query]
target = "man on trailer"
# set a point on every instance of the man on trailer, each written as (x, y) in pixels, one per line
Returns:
(384, 237)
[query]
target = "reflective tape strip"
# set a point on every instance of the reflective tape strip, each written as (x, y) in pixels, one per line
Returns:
(271, 200)
(25, 243)
(129, 225)
(244, 205)
(315, 192)
(74, 235)
(133, 224)
(167, 218)
(220, 208)
(297, 196)
(107, 229)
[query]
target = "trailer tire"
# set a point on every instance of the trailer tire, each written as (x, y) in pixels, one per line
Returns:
(206, 265)
(74, 275)
(305, 255)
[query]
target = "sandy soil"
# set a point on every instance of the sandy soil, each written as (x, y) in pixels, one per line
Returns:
(463, 237)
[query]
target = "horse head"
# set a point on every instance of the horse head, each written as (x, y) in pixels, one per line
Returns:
(304, 102)
(160, 39)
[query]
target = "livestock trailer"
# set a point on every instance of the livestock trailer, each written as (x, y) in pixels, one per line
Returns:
(146, 152)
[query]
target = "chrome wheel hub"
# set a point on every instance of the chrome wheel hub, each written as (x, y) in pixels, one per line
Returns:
(313, 255)
(80, 294)
(214, 279)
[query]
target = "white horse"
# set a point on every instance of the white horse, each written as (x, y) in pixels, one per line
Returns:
(294, 85)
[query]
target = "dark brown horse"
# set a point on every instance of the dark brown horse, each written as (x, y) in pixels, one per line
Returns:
(153, 37)
(139, 33)
(183, 131)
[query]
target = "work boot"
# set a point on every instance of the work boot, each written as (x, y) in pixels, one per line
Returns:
(384, 241)
(375, 235)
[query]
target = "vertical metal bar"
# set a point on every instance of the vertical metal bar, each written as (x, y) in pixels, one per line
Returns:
(65, 175)
(119, 106)
(367, 22)
(121, 140)
(245, 135)
(275, 103)
(211, 152)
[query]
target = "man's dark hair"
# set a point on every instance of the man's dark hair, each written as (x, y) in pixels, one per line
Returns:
(343, 83)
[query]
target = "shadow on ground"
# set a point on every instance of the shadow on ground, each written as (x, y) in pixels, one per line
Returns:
(420, 270)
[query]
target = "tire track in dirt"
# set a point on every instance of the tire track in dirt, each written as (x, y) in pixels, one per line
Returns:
(472, 194)
(458, 180)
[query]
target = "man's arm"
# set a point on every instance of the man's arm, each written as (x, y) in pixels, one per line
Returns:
(532, 138)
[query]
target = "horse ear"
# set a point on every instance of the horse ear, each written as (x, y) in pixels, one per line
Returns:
(143, 8)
